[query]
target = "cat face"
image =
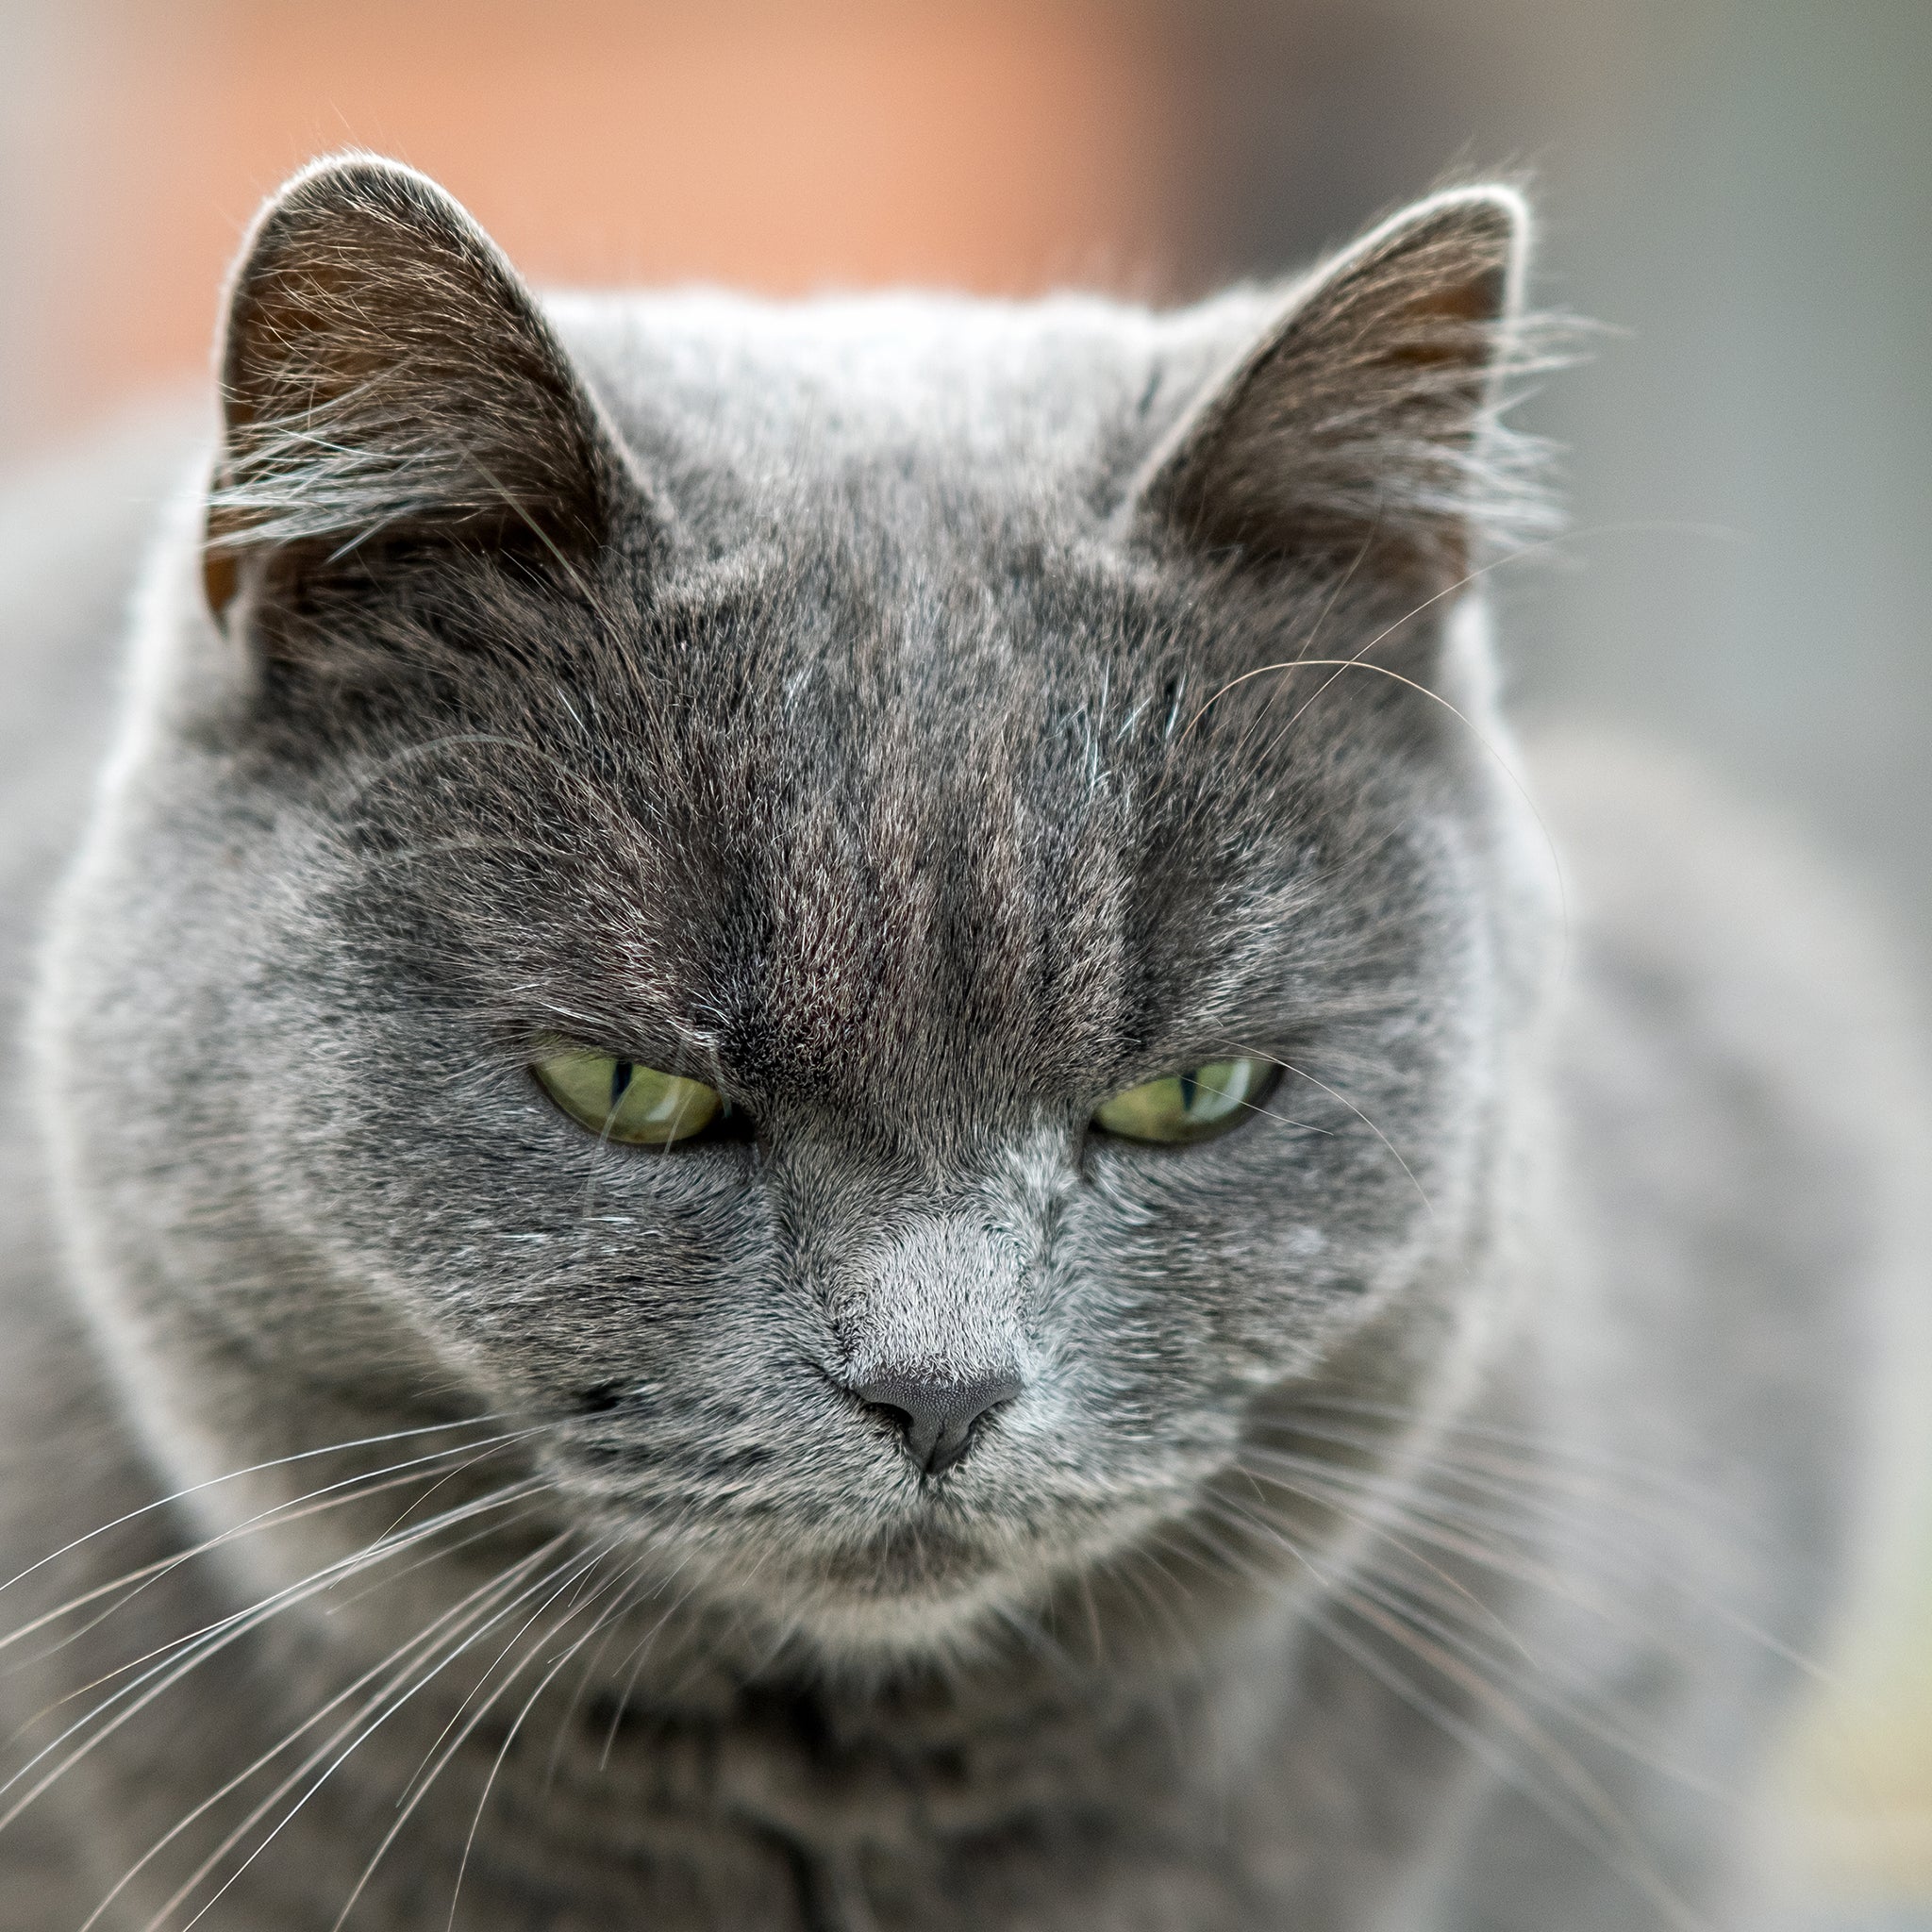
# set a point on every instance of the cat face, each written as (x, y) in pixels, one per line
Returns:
(892, 753)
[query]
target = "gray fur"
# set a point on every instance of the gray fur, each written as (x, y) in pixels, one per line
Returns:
(1416, 1498)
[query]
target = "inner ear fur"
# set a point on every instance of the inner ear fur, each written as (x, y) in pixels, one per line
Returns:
(386, 373)
(1361, 424)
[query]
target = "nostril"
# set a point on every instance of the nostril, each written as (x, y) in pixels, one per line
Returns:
(600, 1400)
(937, 1416)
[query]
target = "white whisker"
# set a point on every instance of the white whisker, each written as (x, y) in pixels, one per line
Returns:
(476, 1604)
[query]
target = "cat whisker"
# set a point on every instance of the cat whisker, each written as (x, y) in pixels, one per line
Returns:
(1445, 1601)
(1602, 1826)
(1461, 1530)
(558, 1582)
(1337, 666)
(370, 1718)
(1139, 1572)
(1391, 1534)
(517, 1724)
(1521, 553)
(315, 1502)
(1476, 1474)
(177, 1645)
(476, 1603)
(434, 1764)
(1541, 1447)
(1599, 1718)
(162, 1677)
(637, 1658)
(1547, 1494)
(1550, 1490)
(235, 1475)
(1301, 650)
(461, 1468)
(438, 1554)
(1599, 1826)
(1302, 1073)
(633, 1596)
(1096, 1637)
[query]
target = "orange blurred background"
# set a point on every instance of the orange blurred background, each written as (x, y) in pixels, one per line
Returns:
(1001, 147)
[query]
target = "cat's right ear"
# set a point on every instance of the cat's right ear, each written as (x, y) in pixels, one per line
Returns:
(386, 376)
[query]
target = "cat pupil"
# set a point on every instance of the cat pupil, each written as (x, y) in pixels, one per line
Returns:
(619, 1080)
(1188, 1085)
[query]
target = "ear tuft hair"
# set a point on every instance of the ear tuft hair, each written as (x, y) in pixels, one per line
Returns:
(1366, 417)
(385, 371)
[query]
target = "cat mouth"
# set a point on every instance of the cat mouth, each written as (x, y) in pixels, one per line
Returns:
(934, 1561)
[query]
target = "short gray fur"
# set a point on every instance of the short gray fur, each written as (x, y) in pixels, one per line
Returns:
(1414, 1502)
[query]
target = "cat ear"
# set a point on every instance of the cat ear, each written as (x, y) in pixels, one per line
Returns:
(1361, 427)
(385, 373)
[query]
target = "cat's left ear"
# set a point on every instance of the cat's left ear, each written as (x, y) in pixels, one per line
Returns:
(1360, 428)
(386, 375)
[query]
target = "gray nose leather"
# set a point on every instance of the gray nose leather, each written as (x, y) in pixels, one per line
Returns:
(937, 1418)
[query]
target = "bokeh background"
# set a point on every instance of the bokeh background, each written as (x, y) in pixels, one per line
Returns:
(1740, 192)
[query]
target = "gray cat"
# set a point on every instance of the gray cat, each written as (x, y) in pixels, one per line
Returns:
(815, 1141)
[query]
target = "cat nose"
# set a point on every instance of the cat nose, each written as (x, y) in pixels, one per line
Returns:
(936, 1417)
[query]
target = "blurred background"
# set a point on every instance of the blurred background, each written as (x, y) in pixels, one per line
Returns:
(1737, 190)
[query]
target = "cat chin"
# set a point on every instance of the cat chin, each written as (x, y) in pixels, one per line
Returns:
(845, 1611)
(873, 1608)
(867, 1635)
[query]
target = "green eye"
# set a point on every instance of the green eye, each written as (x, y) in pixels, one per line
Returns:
(620, 1100)
(1195, 1106)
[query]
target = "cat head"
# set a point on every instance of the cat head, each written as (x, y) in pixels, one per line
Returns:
(889, 921)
